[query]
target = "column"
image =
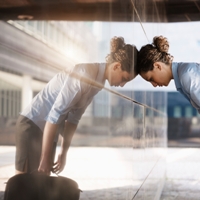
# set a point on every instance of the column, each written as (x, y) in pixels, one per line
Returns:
(27, 92)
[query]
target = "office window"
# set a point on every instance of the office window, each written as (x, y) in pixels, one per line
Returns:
(188, 111)
(177, 111)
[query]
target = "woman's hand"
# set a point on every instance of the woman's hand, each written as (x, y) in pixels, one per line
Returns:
(67, 134)
(46, 162)
(59, 164)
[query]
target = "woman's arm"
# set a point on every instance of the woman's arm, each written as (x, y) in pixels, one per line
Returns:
(68, 133)
(46, 161)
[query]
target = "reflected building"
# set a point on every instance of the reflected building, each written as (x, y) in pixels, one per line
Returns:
(118, 117)
(31, 53)
(183, 119)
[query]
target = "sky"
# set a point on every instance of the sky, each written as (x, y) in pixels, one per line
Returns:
(184, 40)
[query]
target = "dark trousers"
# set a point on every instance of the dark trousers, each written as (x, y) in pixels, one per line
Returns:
(28, 145)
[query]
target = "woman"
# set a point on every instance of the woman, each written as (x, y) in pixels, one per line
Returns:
(156, 65)
(63, 101)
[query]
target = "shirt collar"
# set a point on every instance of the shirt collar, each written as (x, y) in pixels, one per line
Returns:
(175, 75)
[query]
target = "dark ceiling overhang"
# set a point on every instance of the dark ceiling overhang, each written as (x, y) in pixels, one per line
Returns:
(101, 10)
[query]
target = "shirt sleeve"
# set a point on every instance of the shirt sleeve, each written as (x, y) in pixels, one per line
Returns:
(69, 102)
(191, 84)
(68, 94)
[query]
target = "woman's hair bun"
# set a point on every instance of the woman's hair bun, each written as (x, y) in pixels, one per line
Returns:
(116, 43)
(161, 43)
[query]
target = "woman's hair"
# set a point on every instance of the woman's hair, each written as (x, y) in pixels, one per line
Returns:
(151, 53)
(125, 54)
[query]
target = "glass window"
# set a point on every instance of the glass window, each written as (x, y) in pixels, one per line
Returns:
(31, 24)
(188, 111)
(177, 111)
(39, 26)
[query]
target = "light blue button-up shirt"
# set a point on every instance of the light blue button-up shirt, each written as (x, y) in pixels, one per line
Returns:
(65, 97)
(187, 81)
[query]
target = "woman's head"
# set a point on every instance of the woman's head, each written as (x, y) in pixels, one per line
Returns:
(121, 62)
(154, 61)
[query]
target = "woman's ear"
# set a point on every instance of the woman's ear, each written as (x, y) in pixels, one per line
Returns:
(116, 65)
(157, 65)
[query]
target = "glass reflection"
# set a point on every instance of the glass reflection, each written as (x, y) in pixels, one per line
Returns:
(118, 151)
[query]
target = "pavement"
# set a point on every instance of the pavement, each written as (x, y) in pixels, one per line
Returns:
(182, 174)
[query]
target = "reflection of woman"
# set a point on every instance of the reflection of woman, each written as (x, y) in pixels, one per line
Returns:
(155, 65)
(63, 101)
